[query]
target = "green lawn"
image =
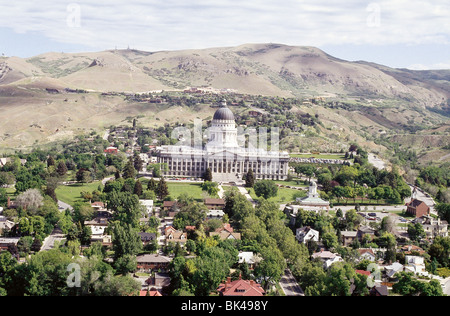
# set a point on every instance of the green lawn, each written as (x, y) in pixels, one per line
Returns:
(192, 189)
(293, 183)
(284, 195)
(323, 156)
(72, 193)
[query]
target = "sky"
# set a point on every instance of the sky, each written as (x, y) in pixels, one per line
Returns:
(397, 33)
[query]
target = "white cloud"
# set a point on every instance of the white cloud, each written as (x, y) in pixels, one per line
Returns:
(178, 24)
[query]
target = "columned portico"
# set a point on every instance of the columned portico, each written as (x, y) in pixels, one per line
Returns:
(227, 161)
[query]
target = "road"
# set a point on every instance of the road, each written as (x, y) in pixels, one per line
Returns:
(64, 206)
(49, 242)
(376, 161)
(290, 285)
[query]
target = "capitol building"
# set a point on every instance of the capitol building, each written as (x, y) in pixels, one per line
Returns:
(222, 154)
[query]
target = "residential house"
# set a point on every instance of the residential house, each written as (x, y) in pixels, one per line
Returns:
(416, 265)
(348, 237)
(111, 150)
(391, 270)
(105, 240)
(152, 262)
(367, 254)
(159, 280)
(365, 231)
(168, 205)
(224, 235)
(5, 225)
(148, 204)
(6, 242)
(433, 227)
(225, 228)
(379, 290)
(417, 208)
(249, 258)
(409, 249)
(98, 206)
(327, 257)
(305, 234)
(150, 293)
(215, 204)
(176, 236)
(97, 225)
(215, 214)
(147, 238)
(240, 288)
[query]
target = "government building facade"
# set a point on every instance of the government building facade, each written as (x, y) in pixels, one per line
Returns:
(222, 154)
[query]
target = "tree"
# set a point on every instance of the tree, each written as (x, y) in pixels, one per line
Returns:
(266, 189)
(272, 267)
(307, 170)
(126, 241)
(407, 285)
(125, 206)
(211, 187)
(152, 185)
(138, 188)
(137, 162)
(211, 268)
(162, 190)
(416, 232)
(443, 210)
(50, 161)
(249, 179)
(31, 200)
(122, 285)
(83, 175)
(62, 168)
(207, 175)
(129, 171)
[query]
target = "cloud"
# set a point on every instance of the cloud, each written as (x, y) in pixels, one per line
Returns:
(178, 24)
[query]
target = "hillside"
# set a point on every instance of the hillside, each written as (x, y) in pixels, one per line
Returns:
(57, 95)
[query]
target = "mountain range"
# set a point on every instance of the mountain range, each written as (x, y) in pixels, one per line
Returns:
(33, 107)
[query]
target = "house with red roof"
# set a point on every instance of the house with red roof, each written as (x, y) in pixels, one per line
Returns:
(240, 288)
(149, 293)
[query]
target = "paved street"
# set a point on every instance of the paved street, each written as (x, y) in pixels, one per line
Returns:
(64, 206)
(49, 242)
(290, 285)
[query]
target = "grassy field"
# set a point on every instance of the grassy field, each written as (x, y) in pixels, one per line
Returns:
(294, 183)
(284, 195)
(71, 194)
(192, 189)
(322, 156)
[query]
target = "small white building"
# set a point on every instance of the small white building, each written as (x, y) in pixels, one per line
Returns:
(215, 214)
(327, 257)
(148, 204)
(313, 202)
(249, 258)
(416, 265)
(305, 234)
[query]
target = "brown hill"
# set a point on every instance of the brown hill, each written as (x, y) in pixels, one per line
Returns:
(35, 103)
